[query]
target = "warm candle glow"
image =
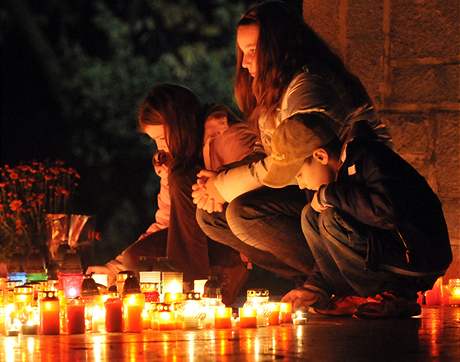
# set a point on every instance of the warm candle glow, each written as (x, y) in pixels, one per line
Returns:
(172, 282)
(223, 317)
(133, 305)
(273, 314)
(114, 314)
(248, 317)
(49, 313)
(454, 291)
(285, 312)
(173, 297)
(102, 279)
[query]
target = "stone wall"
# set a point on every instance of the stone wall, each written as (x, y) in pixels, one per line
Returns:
(407, 53)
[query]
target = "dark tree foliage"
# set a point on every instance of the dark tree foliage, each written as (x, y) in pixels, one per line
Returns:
(75, 72)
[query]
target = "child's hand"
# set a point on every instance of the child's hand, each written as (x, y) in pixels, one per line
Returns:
(316, 205)
(205, 195)
(211, 189)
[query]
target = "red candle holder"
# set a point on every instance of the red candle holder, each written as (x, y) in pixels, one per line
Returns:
(49, 313)
(75, 316)
(113, 314)
(71, 284)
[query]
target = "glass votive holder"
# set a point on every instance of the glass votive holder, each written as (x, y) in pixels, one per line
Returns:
(454, 291)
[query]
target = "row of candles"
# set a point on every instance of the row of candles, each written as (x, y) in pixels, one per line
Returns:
(442, 294)
(157, 302)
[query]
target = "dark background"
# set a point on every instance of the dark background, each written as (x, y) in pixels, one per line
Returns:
(73, 73)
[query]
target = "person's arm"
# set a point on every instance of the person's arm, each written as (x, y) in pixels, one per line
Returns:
(238, 145)
(374, 199)
(239, 180)
(162, 215)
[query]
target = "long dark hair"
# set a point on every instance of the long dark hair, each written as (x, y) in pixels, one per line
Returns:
(286, 44)
(178, 109)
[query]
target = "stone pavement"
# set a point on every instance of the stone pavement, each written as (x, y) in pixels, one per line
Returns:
(433, 337)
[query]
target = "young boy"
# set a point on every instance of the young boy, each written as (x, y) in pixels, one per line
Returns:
(374, 226)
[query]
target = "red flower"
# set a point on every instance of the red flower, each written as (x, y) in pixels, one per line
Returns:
(15, 205)
(13, 175)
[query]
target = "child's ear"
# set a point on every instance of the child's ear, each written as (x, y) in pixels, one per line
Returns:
(321, 156)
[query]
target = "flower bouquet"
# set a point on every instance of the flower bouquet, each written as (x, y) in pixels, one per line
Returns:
(28, 192)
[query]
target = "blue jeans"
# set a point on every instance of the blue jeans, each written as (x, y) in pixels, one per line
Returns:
(264, 225)
(339, 247)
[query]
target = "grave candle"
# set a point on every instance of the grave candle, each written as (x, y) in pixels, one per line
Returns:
(75, 316)
(248, 317)
(223, 317)
(49, 313)
(300, 317)
(150, 291)
(274, 314)
(113, 313)
(454, 291)
(434, 296)
(192, 311)
(133, 305)
(285, 313)
(166, 318)
(172, 282)
(71, 284)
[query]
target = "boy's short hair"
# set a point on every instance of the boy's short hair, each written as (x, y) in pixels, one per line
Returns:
(293, 142)
(221, 110)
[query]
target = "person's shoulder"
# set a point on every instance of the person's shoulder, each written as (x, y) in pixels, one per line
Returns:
(368, 149)
(310, 74)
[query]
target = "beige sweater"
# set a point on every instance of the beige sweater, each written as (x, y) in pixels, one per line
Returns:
(307, 92)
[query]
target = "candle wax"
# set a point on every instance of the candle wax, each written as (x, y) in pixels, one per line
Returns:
(113, 315)
(274, 318)
(133, 318)
(248, 322)
(76, 318)
(222, 322)
(49, 317)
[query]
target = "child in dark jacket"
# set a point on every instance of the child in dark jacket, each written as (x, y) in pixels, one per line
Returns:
(374, 226)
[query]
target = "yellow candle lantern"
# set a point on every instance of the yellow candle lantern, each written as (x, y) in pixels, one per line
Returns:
(94, 306)
(299, 317)
(454, 291)
(223, 317)
(274, 314)
(165, 317)
(133, 305)
(173, 298)
(32, 324)
(248, 317)
(172, 282)
(192, 311)
(23, 296)
(198, 285)
(258, 299)
(285, 313)
(12, 323)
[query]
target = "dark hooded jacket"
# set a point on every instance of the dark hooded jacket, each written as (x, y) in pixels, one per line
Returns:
(394, 206)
